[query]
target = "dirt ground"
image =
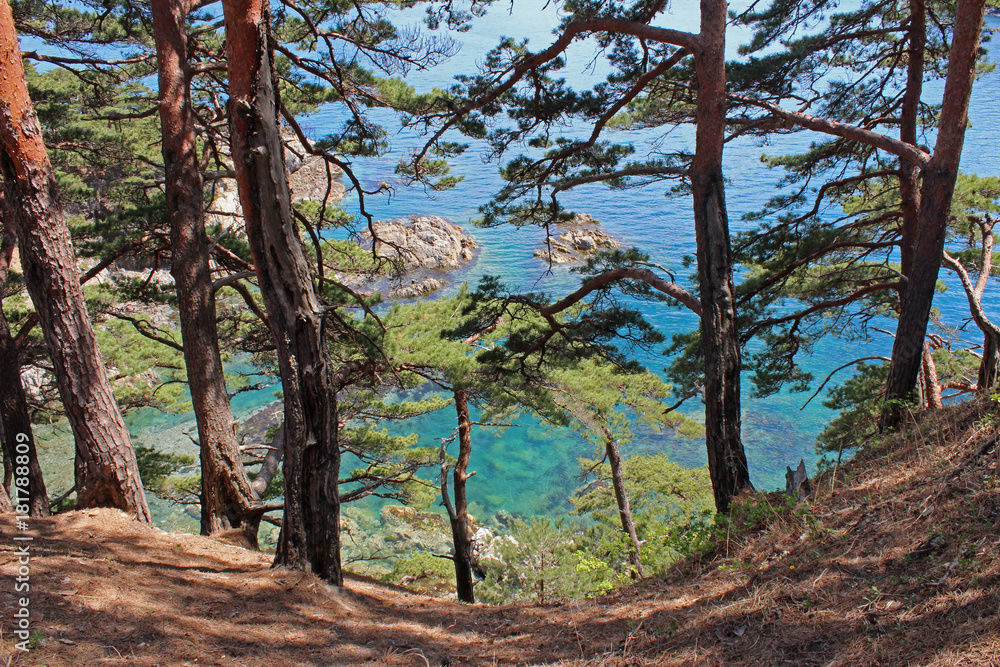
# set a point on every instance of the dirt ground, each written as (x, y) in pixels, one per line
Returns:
(898, 566)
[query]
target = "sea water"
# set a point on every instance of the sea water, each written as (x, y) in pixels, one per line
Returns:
(530, 468)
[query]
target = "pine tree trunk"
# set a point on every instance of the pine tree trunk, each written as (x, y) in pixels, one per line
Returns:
(909, 178)
(932, 388)
(272, 461)
(460, 517)
(727, 462)
(989, 367)
(621, 498)
(15, 421)
(106, 471)
(310, 532)
(226, 495)
(5, 506)
(15, 424)
(938, 185)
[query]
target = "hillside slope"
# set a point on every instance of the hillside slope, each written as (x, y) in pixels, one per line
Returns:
(899, 566)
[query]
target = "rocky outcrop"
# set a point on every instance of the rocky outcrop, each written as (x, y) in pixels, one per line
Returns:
(423, 242)
(411, 528)
(416, 288)
(577, 243)
(308, 180)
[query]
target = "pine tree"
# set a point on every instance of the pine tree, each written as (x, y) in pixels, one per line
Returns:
(106, 472)
(564, 388)
(520, 84)
(226, 497)
(310, 531)
(975, 209)
(893, 48)
(15, 422)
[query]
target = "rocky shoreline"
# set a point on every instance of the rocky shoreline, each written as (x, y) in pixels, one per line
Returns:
(422, 248)
(578, 243)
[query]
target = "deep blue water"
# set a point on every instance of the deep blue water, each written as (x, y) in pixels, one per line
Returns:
(530, 468)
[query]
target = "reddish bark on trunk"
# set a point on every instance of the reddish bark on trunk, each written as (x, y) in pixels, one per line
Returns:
(106, 471)
(727, 463)
(939, 176)
(310, 532)
(226, 495)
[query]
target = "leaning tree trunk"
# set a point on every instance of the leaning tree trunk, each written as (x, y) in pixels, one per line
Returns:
(272, 460)
(15, 425)
(621, 498)
(458, 515)
(15, 422)
(226, 494)
(106, 470)
(939, 178)
(727, 463)
(310, 531)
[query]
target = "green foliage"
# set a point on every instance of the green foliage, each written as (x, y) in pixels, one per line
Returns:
(860, 401)
(144, 373)
(543, 560)
(672, 506)
(756, 511)
(92, 154)
(975, 211)
(155, 467)
(422, 572)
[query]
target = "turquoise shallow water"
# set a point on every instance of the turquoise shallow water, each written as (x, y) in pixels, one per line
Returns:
(530, 468)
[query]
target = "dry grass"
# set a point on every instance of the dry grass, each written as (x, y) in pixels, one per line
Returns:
(897, 566)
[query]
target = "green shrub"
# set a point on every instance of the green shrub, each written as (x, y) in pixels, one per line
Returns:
(543, 560)
(672, 506)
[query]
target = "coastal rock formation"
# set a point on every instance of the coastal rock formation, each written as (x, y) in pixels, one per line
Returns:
(416, 288)
(576, 244)
(423, 242)
(308, 180)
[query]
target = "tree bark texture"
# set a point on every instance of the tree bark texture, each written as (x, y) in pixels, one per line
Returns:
(5, 506)
(15, 421)
(909, 175)
(939, 177)
(932, 387)
(621, 498)
(226, 494)
(310, 533)
(459, 516)
(106, 471)
(15, 425)
(272, 461)
(727, 461)
(989, 367)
